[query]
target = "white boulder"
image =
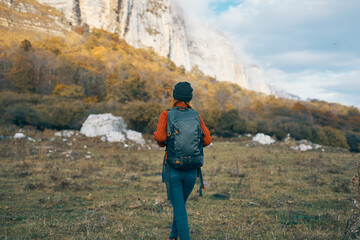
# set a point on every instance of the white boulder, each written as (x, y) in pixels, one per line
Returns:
(115, 137)
(19, 135)
(58, 134)
(317, 146)
(110, 128)
(305, 145)
(65, 133)
(135, 137)
(102, 124)
(68, 133)
(263, 139)
(31, 139)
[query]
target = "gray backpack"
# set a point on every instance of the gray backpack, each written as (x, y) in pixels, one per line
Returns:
(184, 142)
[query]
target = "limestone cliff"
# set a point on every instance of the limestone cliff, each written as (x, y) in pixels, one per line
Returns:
(158, 24)
(213, 54)
(256, 79)
(142, 23)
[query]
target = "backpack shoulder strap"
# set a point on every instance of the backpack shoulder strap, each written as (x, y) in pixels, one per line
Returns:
(196, 114)
(178, 108)
(172, 113)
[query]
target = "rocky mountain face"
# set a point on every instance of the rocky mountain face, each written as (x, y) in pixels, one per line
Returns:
(256, 79)
(159, 24)
(31, 15)
(213, 54)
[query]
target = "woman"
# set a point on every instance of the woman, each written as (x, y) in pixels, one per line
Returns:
(181, 182)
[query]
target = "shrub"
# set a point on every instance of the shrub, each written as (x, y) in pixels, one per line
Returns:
(67, 114)
(299, 130)
(142, 116)
(26, 114)
(335, 138)
(230, 124)
(353, 141)
(26, 45)
(329, 137)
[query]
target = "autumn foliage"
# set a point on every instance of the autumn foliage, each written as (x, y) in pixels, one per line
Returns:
(56, 82)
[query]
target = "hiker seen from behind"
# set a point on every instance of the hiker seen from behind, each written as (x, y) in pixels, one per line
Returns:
(184, 134)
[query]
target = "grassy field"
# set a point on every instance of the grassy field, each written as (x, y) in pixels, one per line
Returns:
(83, 188)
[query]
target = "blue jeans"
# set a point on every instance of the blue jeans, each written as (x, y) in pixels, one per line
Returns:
(181, 185)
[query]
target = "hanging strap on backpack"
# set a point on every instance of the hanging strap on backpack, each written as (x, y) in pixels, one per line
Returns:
(166, 177)
(202, 186)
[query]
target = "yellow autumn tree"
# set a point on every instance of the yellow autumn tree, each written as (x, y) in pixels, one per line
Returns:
(68, 91)
(22, 75)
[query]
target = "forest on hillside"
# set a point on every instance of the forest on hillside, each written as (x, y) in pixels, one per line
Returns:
(56, 82)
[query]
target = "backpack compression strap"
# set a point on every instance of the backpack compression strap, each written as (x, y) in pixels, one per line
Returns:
(166, 177)
(202, 186)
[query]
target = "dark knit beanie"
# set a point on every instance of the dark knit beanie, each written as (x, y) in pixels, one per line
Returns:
(183, 92)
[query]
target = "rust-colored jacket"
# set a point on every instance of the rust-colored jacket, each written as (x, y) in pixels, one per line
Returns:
(161, 134)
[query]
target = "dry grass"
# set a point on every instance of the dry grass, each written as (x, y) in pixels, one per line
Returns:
(52, 190)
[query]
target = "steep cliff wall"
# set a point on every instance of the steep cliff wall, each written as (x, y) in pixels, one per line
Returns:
(213, 54)
(70, 8)
(158, 24)
(256, 79)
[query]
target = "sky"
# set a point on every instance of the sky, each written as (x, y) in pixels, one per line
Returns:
(310, 48)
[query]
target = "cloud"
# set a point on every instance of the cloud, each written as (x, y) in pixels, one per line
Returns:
(310, 48)
(316, 60)
(289, 25)
(341, 87)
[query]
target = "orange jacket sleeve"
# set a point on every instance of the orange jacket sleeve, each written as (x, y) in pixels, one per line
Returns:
(161, 133)
(207, 138)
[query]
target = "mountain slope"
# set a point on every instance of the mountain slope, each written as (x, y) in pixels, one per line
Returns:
(56, 82)
(30, 15)
(160, 25)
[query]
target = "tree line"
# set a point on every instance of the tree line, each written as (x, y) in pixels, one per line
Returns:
(56, 82)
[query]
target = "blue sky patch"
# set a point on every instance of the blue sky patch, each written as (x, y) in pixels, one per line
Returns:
(221, 6)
